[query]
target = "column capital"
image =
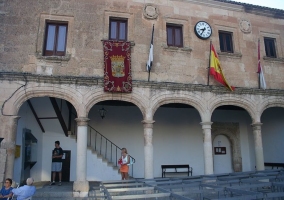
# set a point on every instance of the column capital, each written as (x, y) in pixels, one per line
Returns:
(148, 123)
(256, 126)
(82, 121)
(206, 125)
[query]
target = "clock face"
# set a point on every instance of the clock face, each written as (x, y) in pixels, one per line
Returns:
(203, 30)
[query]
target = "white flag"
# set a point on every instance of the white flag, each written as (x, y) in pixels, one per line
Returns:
(151, 55)
(262, 83)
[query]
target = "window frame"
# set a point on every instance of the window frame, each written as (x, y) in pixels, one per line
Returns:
(222, 36)
(54, 52)
(118, 21)
(174, 27)
(270, 51)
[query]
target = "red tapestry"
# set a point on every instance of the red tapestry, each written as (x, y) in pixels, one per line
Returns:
(117, 60)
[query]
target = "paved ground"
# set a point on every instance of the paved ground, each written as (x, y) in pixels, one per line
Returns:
(63, 192)
(241, 185)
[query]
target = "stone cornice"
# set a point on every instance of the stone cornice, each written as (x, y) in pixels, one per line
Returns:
(91, 81)
(241, 7)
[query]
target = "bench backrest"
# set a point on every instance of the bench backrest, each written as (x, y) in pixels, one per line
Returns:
(175, 166)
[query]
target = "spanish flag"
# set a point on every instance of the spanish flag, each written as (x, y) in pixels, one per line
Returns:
(216, 70)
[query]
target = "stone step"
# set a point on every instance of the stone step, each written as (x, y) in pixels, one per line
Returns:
(69, 198)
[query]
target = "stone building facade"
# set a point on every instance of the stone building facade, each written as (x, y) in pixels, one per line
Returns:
(179, 74)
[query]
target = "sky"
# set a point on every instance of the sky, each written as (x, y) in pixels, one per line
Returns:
(279, 4)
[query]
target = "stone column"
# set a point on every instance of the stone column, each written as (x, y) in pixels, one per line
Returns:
(148, 149)
(81, 185)
(259, 160)
(207, 145)
(9, 132)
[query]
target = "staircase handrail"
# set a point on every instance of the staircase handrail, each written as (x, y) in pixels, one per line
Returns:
(112, 144)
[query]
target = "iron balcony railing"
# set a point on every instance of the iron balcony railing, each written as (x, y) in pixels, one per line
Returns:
(105, 148)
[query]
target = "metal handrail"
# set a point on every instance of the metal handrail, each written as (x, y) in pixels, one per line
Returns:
(101, 144)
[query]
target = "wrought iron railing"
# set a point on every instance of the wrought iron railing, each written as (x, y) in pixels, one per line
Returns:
(106, 148)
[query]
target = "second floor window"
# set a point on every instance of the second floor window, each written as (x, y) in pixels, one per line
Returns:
(174, 35)
(118, 29)
(55, 39)
(270, 50)
(226, 43)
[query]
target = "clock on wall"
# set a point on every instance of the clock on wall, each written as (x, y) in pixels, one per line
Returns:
(203, 30)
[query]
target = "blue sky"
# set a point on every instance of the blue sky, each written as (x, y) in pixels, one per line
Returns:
(267, 3)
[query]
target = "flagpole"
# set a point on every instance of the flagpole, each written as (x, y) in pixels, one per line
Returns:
(258, 60)
(209, 63)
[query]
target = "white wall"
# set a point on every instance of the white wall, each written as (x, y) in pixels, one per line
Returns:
(177, 138)
(28, 121)
(273, 135)
(246, 137)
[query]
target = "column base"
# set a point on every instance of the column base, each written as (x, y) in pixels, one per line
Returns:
(81, 188)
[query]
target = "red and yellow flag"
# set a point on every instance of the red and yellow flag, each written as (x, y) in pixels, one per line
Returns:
(216, 70)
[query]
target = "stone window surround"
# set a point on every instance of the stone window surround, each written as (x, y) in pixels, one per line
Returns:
(114, 14)
(41, 35)
(185, 33)
(236, 48)
(279, 52)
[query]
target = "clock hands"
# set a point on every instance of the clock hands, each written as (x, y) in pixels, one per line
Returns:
(202, 30)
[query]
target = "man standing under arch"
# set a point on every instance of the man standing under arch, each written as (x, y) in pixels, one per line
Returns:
(57, 162)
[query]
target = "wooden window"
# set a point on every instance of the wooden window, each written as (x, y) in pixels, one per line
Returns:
(226, 43)
(118, 29)
(270, 50)
(174, 35)
(55, 39)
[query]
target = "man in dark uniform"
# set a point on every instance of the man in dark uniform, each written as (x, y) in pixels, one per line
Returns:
(56, 162)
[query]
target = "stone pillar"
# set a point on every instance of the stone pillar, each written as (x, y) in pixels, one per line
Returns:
(207, 145)
(259, 160)
(9, 132)
(81, 185)
(148, 149)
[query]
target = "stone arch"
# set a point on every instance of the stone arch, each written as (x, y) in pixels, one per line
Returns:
(98, 96)
(232, 132)
(13, 105)
(188, 99)
(271, 102)
(249, 106)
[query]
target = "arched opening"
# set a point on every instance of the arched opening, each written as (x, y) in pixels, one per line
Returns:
(43, 121)
(234, 123)
(272, 129)
(178, 137)
(222, 155)
(121, 127)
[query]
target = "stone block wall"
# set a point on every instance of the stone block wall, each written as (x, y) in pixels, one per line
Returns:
(23, 31)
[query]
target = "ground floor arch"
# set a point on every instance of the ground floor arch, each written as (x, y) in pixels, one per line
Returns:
(46, 120)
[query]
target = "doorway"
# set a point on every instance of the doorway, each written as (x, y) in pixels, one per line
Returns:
(222, 155)
(66, 160)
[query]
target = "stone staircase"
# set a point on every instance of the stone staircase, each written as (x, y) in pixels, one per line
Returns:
(105, 162)
(106, 151)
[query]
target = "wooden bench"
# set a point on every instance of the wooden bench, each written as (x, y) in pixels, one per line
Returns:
(274, 165)
(176, 167)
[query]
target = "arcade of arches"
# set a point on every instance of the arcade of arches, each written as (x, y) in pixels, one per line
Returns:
(148, 98)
